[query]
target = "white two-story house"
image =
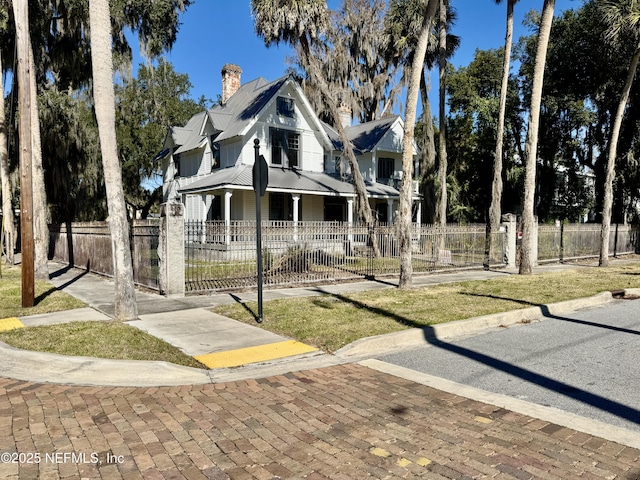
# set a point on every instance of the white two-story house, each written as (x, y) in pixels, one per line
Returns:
(208, 162)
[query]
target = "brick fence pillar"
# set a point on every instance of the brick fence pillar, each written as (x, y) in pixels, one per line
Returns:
(171, 249)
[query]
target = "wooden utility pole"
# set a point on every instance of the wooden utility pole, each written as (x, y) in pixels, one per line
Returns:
(21, 15)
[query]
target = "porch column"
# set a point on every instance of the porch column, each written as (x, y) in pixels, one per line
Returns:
(350, 218)
(227, 216)
(296, 216)
(390, 211)
(203, 231)
(419, 214)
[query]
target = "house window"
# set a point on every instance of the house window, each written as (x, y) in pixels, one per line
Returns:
(215, 209)
(335, 209)
(280, 206)
(215, 161)
(385, 168)
(176, 165)
(285, 147)
(285, 107)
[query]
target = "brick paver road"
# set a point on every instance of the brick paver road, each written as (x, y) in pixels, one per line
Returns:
(343, 422)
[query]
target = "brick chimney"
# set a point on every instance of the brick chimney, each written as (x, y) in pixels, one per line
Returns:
(230, 81)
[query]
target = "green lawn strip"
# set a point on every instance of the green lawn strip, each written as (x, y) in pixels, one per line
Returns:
(113, 340)
(47, 298)
(330, 322)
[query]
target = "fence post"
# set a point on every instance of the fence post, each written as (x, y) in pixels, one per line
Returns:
(171, 250)
(534, 241)
(509, 223)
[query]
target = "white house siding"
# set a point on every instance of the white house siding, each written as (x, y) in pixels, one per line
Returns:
(368, 166)
(237, 204)
(392, 140)
(312, 208)
(190, 163)
(249, 205)
(312, 153)
(231, 153)
(194, 207)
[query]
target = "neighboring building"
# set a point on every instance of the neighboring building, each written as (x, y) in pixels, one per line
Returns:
(208, 163)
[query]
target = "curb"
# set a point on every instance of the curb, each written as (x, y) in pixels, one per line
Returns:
(43, 367)
(418, 337)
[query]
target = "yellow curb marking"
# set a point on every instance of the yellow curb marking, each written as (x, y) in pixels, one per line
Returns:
(380, 452)
(261, 353)
(483, 420)
(423, 462)
(404, 463)
(10, 324)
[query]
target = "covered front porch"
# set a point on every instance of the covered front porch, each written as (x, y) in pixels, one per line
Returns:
(291, 196)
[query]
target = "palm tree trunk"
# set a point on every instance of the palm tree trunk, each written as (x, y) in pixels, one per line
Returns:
(40, 206)
(428, 153)
(7, 207)
(406, 187)
(531, 147)
(496, 185)
(442, 147)
(611, 161)
(104, 98)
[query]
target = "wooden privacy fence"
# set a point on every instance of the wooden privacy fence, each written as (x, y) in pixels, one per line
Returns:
(223, 256)
(575, 241)
(88, 245)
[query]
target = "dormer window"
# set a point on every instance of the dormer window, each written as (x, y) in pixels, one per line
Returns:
(285, 146)
(285, 107)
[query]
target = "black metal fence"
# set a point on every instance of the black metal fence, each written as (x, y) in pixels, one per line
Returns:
(576, 241)
(223, 256)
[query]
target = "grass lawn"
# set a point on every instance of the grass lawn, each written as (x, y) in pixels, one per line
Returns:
(107, 339)
(113, 340)
(330, 322)
(47, 298)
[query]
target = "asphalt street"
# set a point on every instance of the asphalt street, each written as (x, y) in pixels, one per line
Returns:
(587, 362)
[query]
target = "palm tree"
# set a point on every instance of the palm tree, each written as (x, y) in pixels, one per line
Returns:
(104, 99)
(7, 207)
(412, 43)
(406, 187)
(40, 207)
(302, 22)
(441, 204)
(496, 185)
(531, 146)
(622, 16)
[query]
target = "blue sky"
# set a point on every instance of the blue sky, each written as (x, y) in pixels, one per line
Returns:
(216, 32)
